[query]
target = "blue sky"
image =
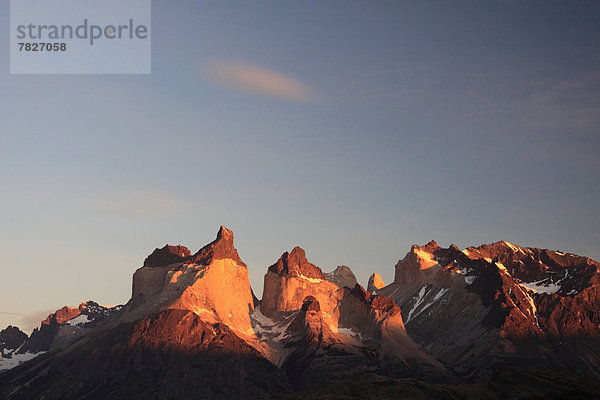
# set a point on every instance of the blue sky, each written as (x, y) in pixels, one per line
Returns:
(352, 129)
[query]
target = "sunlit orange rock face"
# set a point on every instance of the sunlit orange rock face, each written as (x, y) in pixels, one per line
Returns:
(375, 283)
(213, 283)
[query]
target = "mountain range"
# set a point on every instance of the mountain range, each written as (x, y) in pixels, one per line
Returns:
(494, 321)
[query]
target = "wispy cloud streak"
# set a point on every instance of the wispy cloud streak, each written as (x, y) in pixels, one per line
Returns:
(256, 79)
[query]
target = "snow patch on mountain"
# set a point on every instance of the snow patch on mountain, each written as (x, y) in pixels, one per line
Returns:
(311, 280)
(440, 294)
(546, 285)
(10, 359)
(348, 331)
(16, 359)
(420, 299)
(542, 286)
(267, 328)
(80, 320)
(436, 298)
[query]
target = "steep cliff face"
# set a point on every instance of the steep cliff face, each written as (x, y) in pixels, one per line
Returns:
(150, 279)
(418, 264)
(290, 280)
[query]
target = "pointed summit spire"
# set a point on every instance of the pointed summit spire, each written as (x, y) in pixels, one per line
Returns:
(225, 234)
(375, 283)
(221, 248)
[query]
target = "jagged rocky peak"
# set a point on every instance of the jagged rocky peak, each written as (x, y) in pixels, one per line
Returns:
(429, 247)
(419, 259)
(213, 284)
(499, 251)
(510, 294)
(377, 302)
(290, 280)
(67, 324)
(384, 305)
(166, 256)
(375, 283)
(64, 314)
(504, 250)
(90, 308)
(360, 332)
(476, 310)
(295, 263)
(12, 338)
(150, 280)
(529, 264)
(374, 308)
(342, 276)
(221, 248)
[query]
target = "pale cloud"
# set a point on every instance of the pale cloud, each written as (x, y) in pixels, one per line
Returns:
(31, 321)
(572, 103)
(256, 79)
(137, 204)
(26, 322)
